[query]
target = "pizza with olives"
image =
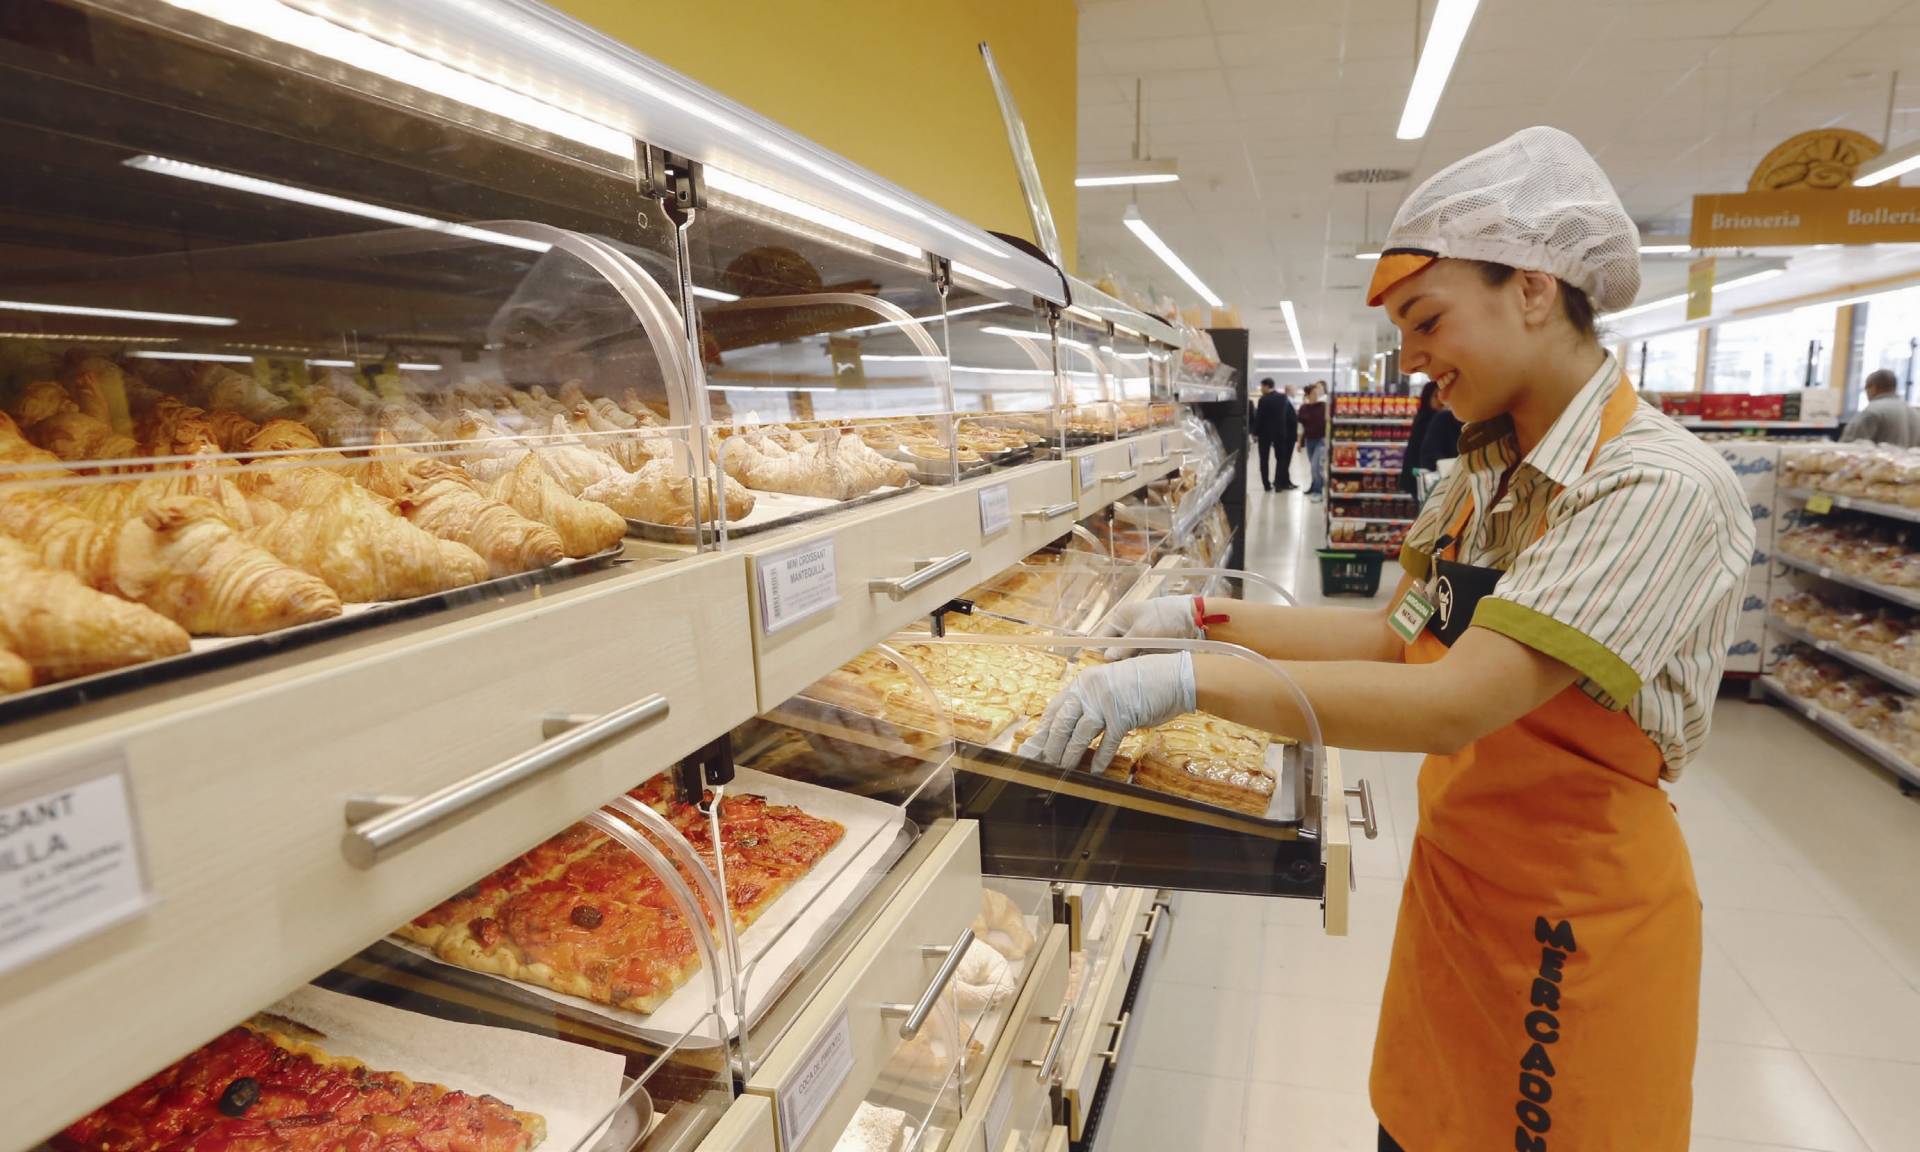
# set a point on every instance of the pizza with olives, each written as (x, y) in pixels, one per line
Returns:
(256, 1089)
(582, 915)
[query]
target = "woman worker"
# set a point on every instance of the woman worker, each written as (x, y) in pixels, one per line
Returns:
(1554, 648)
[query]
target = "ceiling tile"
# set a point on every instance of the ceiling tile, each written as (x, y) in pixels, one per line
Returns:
(1148, 57)
(1825, 15)
(1106, 20)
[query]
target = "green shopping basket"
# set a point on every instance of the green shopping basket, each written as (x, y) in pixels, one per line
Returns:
(1350, 573)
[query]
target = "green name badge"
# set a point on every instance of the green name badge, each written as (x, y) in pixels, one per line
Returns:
(1410, 615)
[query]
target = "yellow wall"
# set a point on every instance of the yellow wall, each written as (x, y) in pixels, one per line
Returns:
(897, 87)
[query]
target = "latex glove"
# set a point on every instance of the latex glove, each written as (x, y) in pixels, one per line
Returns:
(1109, 701)
(1169, 617)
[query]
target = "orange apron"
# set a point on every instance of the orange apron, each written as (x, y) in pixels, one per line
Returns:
(1545, 986)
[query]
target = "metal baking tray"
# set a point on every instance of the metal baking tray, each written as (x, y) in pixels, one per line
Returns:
(771, 510)
(210, 652)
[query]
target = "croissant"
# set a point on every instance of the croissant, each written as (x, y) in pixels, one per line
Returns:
(98, 388)
(41, 399)
(282, 435)
(172, 428)
(78, 437)
(585, 528)
(62, 628)
(110, 505)
(662, 494)
(572, 463)
(232, 431)
(355, 541)
(64, 537)
(20, 459)
(628, 449)
(16, 675)
(225, 388)
(183, 560)
(448, 506)
(839, 466)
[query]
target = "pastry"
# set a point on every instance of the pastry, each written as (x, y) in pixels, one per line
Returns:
(256, 1087)
(20, 457)
(62, 628)
(1208, 759)
(585, 528)
(443, 501)
(285, 437)
(355, 541)
(232, 431)
(222, 387)
(873, 1129)
(64, 537)
(1001, 925)
(836, 466)
(576, 466)
(41, 400)
(16, 675)
(983, 979)
(662, 494)
(183, 560)
(98, 389)
(75, 436)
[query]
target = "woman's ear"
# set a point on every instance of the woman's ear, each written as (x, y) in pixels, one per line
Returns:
(1539, 297)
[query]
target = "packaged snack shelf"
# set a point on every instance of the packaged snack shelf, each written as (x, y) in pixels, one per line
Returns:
(1852, 504)
(1905, 596)
(1352, 470)
(1898, 679)
(1872, 749)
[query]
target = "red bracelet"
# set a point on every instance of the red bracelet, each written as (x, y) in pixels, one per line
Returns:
(1200, 618)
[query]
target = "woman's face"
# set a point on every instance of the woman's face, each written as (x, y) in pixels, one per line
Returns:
(1474, 340)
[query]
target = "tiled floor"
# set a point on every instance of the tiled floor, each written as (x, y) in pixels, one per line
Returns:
(1809, 866)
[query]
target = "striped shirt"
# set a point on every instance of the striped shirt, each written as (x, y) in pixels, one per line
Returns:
(1636, 582)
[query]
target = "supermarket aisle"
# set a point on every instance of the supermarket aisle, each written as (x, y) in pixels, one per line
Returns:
(1809, 866)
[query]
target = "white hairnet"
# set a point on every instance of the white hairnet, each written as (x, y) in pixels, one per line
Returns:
(1536, 201)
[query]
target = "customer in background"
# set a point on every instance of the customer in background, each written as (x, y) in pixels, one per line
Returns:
(1435, 436)
(1886, 419)
(1313, 437)
(1276, 424)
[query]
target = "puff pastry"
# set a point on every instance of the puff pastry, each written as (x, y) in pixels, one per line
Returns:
(837, 466)
(77, 437)
(183, 560)
(20, 457)
(355, 541)
(62, 628)
(98, 389)
(41, 399)
(442, 500)
(16, 675)
(662, 494)
(576, 466)
(585, 528)
(63, 536)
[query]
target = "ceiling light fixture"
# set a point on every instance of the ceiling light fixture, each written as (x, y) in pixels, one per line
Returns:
(1665, 249)
(1293, 332)
(1146, 235)
(1366, 255)
(220, 178)
(1444, 36)
(116, 313)
(1889, 166)
(1126, 173)
(1669, 301)
(222, 357)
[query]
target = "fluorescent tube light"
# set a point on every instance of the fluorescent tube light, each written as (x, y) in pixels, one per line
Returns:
(1888, 166)
(1118, 181)
(1366, 255)
(93, 336)
(116, 313)
(421, 367)
(234, 180)
(282, 23)
(714, 294)
(766, 197)
(330, 364)
(1444, 36)
(1139, 227)
(1665, 249)
(1669, 301)
(1293, 332)
(223, 357)
(883, 359)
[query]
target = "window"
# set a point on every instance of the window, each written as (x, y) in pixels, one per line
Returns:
(1770, 353)
(1664, 363)
(1893, 324)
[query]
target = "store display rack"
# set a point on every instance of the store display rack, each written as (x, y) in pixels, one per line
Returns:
(1364, 412)
(1810, 496)
(1846, 655)
(1907, 597)
(1837, 727)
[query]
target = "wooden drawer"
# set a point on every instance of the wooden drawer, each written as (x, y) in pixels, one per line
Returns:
(240, 789)
(1124, 466)
(1100, 1038)
(850, 1017)
(890, 541)
(746, 1127)
(1014, 1094)
(1040, 501)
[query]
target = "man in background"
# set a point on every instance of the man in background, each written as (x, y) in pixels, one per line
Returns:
(1275, 424)
(1886, 419)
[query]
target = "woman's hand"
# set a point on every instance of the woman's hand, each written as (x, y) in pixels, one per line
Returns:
(1109, 701)
(1164, 617)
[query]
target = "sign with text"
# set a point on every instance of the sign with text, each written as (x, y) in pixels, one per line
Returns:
(795, 583)
(69, 860)
(1878, 215)
(806, 1095)
(1700, 288)
(1087, 466)
(996, 509)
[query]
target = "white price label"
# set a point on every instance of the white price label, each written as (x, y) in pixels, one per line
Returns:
(1133, 454)
(999, 1112)
(796, 583)
(1164, 450)
(807, 1094)
(996, 509)
(69, 860)
(1087, 465)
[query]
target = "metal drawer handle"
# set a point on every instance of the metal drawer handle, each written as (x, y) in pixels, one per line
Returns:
(1129, 474)
(1367, 818)
(383, 825)
(1156, 461)
(925, 573)
(1052, 511)
(916, 1014)
(1047, 1063)
(1112, 1055)
(1153, 923)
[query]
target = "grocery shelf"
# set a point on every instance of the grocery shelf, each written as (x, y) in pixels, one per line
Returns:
(1776, 425)
(1846, 655)
(1372, 496)
(1866, 745)
(1906, 596)
(1374, 519)
(1856, 504)
(1353, 471)
(1393, 421)
(1369, 443)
